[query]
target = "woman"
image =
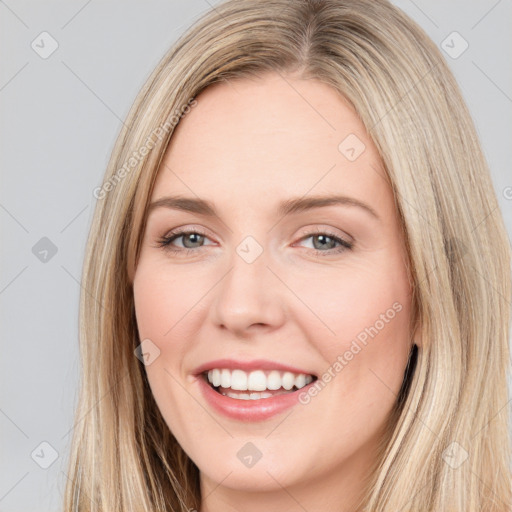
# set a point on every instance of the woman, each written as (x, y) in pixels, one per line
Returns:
(294, 296)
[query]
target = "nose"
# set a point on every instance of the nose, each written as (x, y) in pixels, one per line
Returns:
(249, 298)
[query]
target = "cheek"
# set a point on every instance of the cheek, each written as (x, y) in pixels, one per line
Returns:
(154, 307)
(158, 311)
(170, 310)
(162, 316)
(165, 303)
(365, 358)
(353, 298)
(361, 323)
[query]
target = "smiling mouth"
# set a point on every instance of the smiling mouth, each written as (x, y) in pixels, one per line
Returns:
(256, 384)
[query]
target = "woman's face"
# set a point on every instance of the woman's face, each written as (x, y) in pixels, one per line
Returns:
(284, 264)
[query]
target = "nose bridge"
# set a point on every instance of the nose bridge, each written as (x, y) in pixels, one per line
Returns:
(249, 293)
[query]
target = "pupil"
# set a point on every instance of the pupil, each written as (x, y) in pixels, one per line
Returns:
(323, 237)
(193, 235)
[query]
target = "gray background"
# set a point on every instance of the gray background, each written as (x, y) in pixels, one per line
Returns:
(60, 117)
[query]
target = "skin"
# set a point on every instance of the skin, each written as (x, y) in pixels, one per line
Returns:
(247, 146)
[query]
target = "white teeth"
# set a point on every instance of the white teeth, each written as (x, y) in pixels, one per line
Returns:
(248, 396)
(241, 396)
(288, 380)
(257, 380)
(300, 381)
(216, 377)
(225, 379)
(274, 380)
(238, 380)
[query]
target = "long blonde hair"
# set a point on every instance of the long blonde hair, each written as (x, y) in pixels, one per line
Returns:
(448, 447)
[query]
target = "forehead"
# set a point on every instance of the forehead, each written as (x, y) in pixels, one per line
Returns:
(252, 140)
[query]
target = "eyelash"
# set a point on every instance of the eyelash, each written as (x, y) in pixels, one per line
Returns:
(165, 242)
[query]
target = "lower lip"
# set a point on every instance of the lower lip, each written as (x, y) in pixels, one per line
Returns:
(249, 410)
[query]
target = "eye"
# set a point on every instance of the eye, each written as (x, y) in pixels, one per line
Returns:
(324, 242)
(191, 240)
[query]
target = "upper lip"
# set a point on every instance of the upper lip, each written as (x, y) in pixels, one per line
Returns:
(253, 364)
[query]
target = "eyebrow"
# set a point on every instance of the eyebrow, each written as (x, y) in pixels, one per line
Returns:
(290, 206)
